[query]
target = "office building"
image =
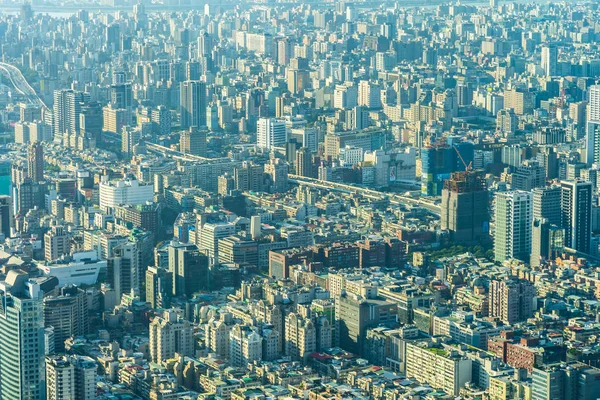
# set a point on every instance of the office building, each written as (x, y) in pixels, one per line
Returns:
(304, 165)
(170, 334)
(192, 104)
(193, 141)
(130, 136)
(81, 268)
(547, 241)
(550, 60)
(464, 208)
(6, 215)
(209, 238)
(576, 213)
(123, 268)
(249, 177)
(439, 161)
(355, 314)
(573, 381)
(270, 133)
(236, 250)
(592, 148)
(512, 225)
(189, 269)
(35, 162)
(22, 344)
(546, 204)
(511, 300)
(159, 287)
(67, 314)
(126, 191)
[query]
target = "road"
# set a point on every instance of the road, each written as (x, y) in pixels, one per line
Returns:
(20, 84)
(398, 199)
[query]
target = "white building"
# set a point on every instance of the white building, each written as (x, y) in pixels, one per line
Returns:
(209, 238)
(170, 334)
(124, 191)
(245, 346)
(441, 368)
(351, 155)
(80, 269)
(270, 132)
(513, 214)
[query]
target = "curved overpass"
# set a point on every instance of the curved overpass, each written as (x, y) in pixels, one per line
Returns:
(20, 84)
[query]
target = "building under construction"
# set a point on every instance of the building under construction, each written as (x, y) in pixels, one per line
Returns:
(464, 209)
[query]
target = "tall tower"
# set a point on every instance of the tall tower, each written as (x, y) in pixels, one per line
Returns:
(550, 59)
(576, 211)
(592, 128)
(465, 201)
(512, 225)
(304, 166)
(35, 162)
(22, 344)
(192, 102)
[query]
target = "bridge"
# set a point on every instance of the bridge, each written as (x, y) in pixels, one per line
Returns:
(397, 199)
(21, 85)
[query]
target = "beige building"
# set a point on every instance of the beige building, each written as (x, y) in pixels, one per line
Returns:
(170, 334)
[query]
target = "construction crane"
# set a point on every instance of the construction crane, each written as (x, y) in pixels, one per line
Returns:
(469, 167)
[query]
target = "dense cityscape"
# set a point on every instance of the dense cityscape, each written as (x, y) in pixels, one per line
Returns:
(277, 200)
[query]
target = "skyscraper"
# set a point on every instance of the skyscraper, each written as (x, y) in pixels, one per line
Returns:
(22, 344)
(35, 162)
(576, 214)
(192, 102)
(550, 59)
(188, 267)
(546, 204)
(304, 165)
(465, 201)
(270, 133)
(6, 215)
(512, 225)
(66, 110)
(70, 377)
(592, 129)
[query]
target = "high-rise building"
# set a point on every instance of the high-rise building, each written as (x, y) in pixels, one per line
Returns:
(66, 110)
(592, 132)
(565, 382)
(159, 287)
(192, 102)
(6, 215)
(354, 314)
(464, 208)
(277, 171)
(576, 214)
(67, 313)
(437, 367)
(123, 268)
(209, 238)
(511, 300)
(300, 337)
(130, 136)
(249, 177)
(270, 133)
(512, 225)
(22, 344)
(35, 162)
(193, 141)
(550, 59)
(188, 267)
(547, 241)
(546, 204)
(125, 191)
(60, 378)
(56, 243)
(304, 165)
(70, 377)
(170, 334)
(245, 345)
